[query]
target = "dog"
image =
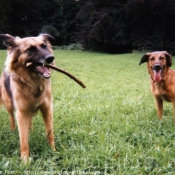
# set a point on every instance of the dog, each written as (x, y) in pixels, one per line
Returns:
(25, 85)
(162, 78)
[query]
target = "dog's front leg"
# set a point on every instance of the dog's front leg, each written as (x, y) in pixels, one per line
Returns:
(47, 114)
(159, 106)
(9, 106)
(23, 122)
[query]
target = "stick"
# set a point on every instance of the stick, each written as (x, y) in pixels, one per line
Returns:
(67, 73)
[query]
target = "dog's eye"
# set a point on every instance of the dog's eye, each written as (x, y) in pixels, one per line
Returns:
(161, 58)
(31, 48)
(151, 59)
(43, 45)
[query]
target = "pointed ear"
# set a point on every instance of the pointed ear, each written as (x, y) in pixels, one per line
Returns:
(168, 59)
(144, 58)
(47, 37)
(8, 40)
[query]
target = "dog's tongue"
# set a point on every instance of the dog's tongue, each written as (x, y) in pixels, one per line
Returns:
(157, 76)
(44, 70)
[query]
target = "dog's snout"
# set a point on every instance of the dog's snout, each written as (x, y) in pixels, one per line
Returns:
(157, 67)
(50, 59)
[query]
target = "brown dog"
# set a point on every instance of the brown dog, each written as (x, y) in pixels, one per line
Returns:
(162, 78)
(25, 85)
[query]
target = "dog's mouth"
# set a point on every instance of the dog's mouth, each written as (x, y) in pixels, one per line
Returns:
(40, 68)
(157, 70)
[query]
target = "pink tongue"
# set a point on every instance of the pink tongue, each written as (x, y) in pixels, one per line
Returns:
(44, 70)
(157, 76)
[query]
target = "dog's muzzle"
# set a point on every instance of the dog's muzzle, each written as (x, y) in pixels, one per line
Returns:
(157, 71)
(157, 67)
(40, 67)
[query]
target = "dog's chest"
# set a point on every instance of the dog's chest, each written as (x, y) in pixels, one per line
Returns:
(39, 91)
(160, 90)
(32, 90)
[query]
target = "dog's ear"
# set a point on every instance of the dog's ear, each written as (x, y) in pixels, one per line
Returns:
(47, 37)
(144, 58)
(168, 59)
(8, 40)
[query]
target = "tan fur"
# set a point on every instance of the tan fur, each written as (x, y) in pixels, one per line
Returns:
(30, 91)
(165, 89)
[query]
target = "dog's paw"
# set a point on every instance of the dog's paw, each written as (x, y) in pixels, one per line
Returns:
(26, 161)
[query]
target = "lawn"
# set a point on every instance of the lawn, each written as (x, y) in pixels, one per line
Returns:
(110, 127)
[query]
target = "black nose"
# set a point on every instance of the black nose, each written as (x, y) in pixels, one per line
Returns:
(157, 67)
(49, 59)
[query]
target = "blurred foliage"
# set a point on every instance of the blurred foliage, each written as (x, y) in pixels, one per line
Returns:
(50, 30)
(110, 26)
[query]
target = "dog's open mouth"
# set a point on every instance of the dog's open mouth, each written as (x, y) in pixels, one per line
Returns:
(157, 69)
(40, 68)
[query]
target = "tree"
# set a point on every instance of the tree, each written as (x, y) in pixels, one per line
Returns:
(103, 28)
(25, 17)
(111, 26)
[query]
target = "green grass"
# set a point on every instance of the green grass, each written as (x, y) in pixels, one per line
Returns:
(111, 127)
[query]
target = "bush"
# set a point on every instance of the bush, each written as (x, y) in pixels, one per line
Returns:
(73, 46)
(50, 30)
(102, 29)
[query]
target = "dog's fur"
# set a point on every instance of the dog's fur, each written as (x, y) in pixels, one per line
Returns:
(25, 85)
(162, 78)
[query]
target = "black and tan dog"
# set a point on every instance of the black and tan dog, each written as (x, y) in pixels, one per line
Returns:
(25, 85)
(162, 78)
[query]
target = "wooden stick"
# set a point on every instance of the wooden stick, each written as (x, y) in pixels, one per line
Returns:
(67, 73)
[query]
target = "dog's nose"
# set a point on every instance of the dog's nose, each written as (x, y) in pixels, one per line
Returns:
(49, 59)
(157, 67)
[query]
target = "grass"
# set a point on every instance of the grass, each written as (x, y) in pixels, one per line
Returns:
(111, 127)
